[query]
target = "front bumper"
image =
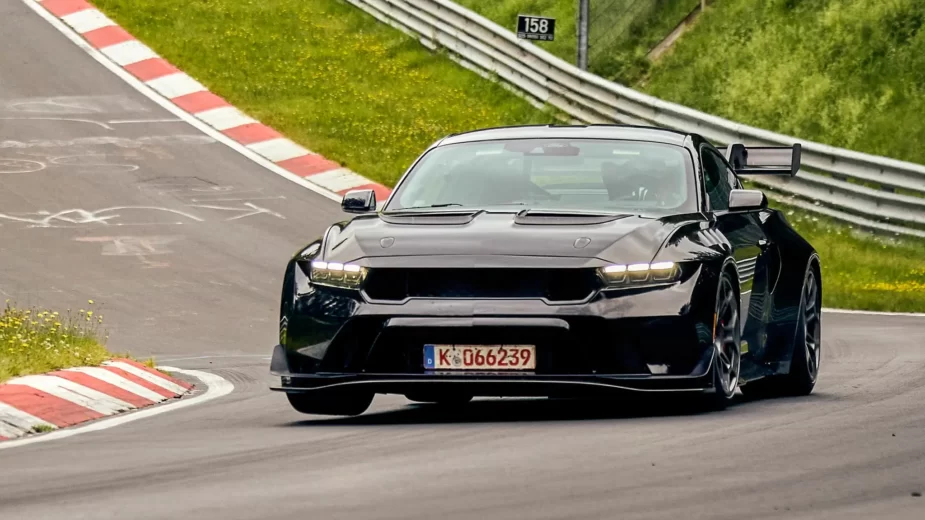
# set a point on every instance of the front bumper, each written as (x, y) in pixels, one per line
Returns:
(493, 384)
(646, 340)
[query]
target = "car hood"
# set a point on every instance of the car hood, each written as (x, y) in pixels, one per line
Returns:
(495, 239)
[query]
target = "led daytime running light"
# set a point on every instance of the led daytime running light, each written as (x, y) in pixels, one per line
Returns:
(616, 275)
(335, 274)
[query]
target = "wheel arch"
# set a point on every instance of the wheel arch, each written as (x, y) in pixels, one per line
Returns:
(294, 277)
(795, 304)
(816, 265)
(730, 267)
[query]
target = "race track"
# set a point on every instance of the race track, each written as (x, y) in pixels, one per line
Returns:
(104, 195)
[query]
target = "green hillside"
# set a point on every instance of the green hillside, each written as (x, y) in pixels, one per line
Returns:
(850, 73)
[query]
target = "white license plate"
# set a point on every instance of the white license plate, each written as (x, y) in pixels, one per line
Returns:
(480, 357)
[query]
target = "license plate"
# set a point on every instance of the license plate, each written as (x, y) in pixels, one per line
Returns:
(480, 357)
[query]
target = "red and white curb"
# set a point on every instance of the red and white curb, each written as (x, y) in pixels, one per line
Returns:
(31, 404)
(191, 97)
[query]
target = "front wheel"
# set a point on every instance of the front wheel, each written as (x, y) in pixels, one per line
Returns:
(330, 402)
(727, 345)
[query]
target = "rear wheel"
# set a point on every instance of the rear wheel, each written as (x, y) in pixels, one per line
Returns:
(322, 402)
(807, 349)
(727, 345)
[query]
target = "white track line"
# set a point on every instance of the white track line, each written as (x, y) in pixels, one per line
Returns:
(215, 387)
(138, 52)
(147, 376)
(874, 313)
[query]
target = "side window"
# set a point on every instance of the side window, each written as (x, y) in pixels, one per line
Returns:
(716, 179)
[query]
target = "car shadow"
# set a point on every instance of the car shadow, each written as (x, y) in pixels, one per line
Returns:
(551, 410)
(521, 410)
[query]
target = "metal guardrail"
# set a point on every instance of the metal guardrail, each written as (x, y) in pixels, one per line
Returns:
(850, 186)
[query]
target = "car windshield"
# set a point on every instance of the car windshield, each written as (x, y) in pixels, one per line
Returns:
(569, 175)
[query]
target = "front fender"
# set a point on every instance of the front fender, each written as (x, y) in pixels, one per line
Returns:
(295, 281)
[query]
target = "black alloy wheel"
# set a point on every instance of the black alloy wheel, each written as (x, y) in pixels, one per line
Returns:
(727, 343)
(807, 348)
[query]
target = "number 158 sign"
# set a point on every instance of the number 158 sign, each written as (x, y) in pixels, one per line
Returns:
(536, 27)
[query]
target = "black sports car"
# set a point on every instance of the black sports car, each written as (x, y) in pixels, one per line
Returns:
(556, 261)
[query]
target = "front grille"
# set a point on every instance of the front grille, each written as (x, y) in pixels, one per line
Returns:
(553, 284)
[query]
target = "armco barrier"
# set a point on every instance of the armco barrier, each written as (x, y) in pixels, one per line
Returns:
(844, 184)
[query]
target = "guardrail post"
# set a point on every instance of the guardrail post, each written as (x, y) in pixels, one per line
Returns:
(583, 34)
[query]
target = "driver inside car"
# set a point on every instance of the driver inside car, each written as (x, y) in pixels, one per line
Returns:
(642, 181)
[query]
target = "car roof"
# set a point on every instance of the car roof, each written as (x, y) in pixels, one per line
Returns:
(625, 132)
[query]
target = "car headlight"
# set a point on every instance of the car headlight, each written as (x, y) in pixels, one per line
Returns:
(639, 274)
(334, 274)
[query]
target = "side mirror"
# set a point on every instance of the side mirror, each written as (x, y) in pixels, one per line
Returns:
(747, 200)
(359, 201)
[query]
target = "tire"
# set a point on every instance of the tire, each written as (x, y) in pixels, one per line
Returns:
(727, 342)
(322, 402)
(807, 349)
(439, 399)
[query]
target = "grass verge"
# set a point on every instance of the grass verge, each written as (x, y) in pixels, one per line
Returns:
(326, 74)
(861, 270)
(34, 341)
(360, 92)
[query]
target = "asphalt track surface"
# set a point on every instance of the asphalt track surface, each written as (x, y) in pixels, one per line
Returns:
(198, 287)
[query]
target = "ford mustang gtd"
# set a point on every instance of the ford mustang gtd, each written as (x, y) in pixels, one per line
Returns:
(555, 261)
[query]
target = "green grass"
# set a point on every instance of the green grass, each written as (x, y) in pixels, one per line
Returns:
(849, 73)
(325, 74)
(360, 92)
(621, 32)
(34, 341)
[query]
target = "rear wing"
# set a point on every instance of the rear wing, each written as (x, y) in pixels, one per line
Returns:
(764, 160)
